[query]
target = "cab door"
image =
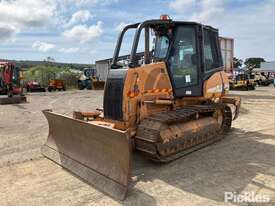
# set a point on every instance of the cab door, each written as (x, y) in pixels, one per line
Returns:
(184, 62)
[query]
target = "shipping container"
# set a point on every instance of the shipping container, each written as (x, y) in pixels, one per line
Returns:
(227, 49)
(102, 68)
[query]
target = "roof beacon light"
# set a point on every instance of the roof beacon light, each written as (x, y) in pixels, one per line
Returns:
(164, 17)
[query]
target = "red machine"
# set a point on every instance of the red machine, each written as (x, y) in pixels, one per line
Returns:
(6, 73)
(10, 83)
(34, 86)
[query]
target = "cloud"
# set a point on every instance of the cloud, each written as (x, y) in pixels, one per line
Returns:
(120, 26)
(201, 10)
(7, 32)
(42, 46)
(209, 9)
(181, 5)
(19, 15)
(84, 33)
(68, 50)
(92, 2)
(80, 16)
(27, 13)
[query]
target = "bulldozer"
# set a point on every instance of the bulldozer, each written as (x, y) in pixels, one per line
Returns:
(167, 103)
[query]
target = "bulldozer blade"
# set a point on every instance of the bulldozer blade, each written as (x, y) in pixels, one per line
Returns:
(99, 155)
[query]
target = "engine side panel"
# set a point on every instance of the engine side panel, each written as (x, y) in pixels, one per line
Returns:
(131, 94)
(147, 83)
(216, 86)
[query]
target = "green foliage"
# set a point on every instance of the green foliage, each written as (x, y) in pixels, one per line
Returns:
(49, 61)
(254, 62)
(237, 63)
(44, 73)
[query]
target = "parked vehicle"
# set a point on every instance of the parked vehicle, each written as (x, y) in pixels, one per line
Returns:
(56, 84)
(171, 103)
(242, 80)
(90, 80)
(263, 79)
(34, 86)
(10, 84)
(97, 84)
(85, 80)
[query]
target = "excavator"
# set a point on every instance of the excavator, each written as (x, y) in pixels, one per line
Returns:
(169, 102)
(10, 85)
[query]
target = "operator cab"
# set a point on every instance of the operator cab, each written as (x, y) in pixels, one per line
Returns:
(190, 50)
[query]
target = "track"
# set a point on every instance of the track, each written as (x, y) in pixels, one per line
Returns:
(163, 137)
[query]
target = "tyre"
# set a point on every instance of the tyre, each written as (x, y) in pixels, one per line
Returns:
(80, 87)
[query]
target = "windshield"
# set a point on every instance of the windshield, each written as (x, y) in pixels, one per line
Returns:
(150, 44)
(125, 49)
(161, 47)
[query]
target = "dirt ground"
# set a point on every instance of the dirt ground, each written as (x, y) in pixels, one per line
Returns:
(242, 162)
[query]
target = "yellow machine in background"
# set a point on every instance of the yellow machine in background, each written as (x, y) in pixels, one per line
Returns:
(97, 84)
(90, 80)
(165, 104)
(242, 81)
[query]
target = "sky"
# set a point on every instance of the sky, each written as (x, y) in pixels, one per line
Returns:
(83, 31)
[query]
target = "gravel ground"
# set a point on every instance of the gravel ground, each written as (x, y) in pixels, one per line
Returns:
(242, 162)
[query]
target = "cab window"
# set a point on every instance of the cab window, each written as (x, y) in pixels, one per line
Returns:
(211, 59)
(161, 47)
(183, 59)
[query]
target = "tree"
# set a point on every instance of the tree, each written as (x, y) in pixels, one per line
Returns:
(237, 63)
(254, 62)
(49, 59)
(44, 73)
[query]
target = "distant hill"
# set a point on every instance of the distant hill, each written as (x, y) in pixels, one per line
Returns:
(28, 64)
